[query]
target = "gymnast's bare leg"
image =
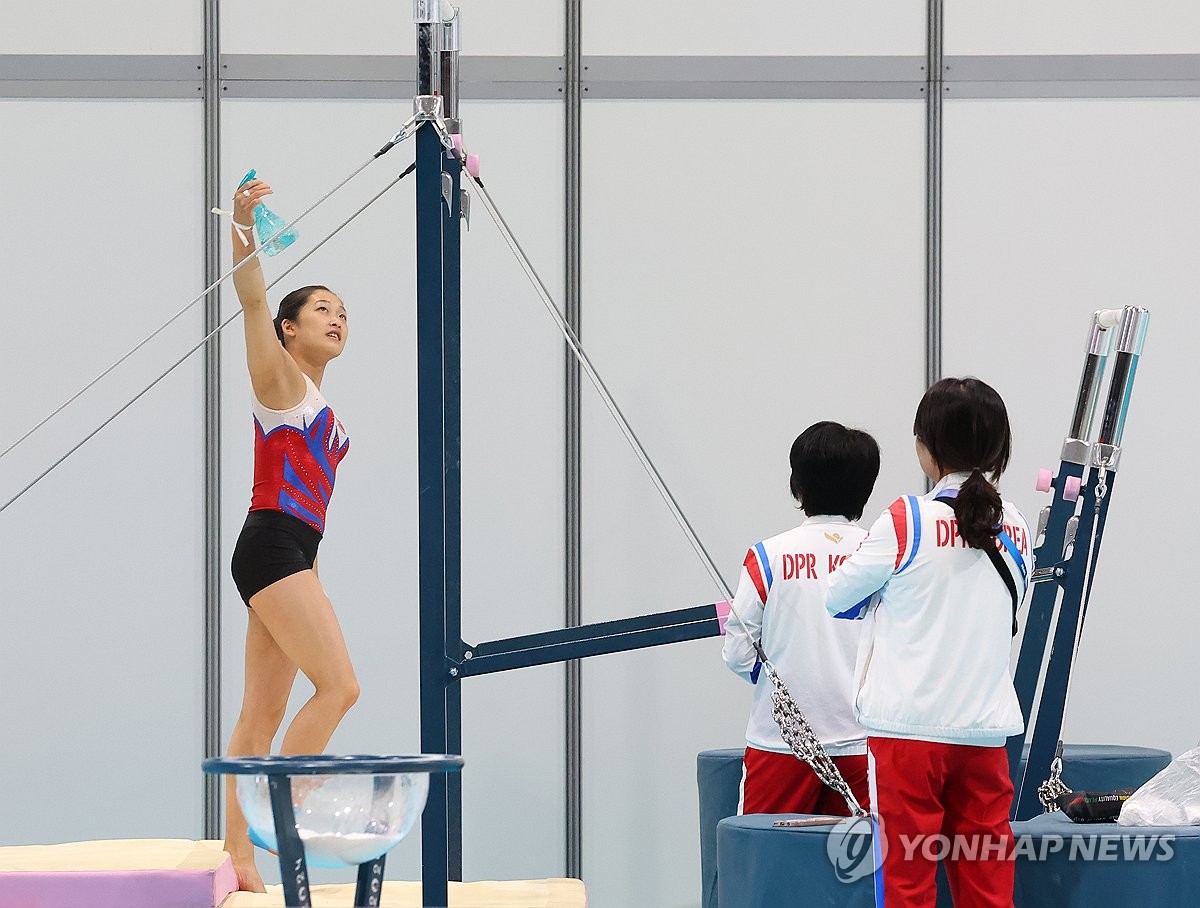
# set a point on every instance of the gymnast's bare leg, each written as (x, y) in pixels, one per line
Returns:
(292, 626)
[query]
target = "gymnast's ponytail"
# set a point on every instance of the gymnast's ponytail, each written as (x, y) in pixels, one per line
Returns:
(964, 425)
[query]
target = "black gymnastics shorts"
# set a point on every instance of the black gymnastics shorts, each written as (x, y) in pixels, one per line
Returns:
(272, 545)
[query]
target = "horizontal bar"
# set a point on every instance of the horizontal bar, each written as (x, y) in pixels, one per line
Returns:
(600, 629)
(599, 646)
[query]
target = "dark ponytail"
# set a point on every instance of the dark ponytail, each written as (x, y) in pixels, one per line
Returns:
(964, 425)
(290, 306)
(979, 511)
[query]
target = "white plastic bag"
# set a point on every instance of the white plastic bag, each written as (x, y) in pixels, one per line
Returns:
(1171, 798)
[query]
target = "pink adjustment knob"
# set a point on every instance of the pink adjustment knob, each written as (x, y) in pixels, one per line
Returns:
(455, 151)
(473, 165)
(1071, 487)
(1045, 480)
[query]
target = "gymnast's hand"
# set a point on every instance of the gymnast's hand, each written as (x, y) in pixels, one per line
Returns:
(246, 199)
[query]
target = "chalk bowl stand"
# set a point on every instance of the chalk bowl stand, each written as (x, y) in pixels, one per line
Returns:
(343, 811)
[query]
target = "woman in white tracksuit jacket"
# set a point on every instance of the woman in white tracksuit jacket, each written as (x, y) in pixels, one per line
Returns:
(780, 602)
(933, 687)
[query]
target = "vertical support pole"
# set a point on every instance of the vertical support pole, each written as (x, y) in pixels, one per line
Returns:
(212, 420)
(431, 470)
(431, 460)
(573, 491)
(452, 452)
(934, 89)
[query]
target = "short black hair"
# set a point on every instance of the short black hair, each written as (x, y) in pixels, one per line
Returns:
(834, 469)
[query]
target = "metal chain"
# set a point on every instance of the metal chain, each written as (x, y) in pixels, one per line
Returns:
(799, 735)
(1054, 787)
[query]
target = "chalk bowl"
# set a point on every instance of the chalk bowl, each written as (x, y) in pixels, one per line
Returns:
(343, 820)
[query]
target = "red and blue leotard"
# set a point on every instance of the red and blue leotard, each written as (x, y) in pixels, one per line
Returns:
(296, 456)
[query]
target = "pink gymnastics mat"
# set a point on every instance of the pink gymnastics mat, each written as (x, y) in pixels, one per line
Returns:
(125, 873)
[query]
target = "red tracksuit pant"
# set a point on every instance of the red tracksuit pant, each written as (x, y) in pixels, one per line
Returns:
(946, 801)
(780, 783)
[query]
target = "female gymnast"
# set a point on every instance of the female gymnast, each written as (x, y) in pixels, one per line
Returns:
(298, 444)
(934, 689)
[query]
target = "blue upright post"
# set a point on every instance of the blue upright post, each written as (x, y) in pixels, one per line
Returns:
(452, 423)
(431, 466)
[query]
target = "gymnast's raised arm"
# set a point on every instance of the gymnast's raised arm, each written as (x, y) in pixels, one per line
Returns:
(274, 375)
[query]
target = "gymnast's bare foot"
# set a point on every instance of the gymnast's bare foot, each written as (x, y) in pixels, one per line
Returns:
(247, 873)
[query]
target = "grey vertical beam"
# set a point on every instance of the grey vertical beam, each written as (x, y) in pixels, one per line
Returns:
(935, 89)
(212, 420)
(573, 529)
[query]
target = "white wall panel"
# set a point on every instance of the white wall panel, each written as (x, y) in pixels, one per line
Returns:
(386, 27)
(101, 564)
(1054, 209)
(1072, 27)
(769, 27)
(512, 449)
(733, 296)
(116, 27)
